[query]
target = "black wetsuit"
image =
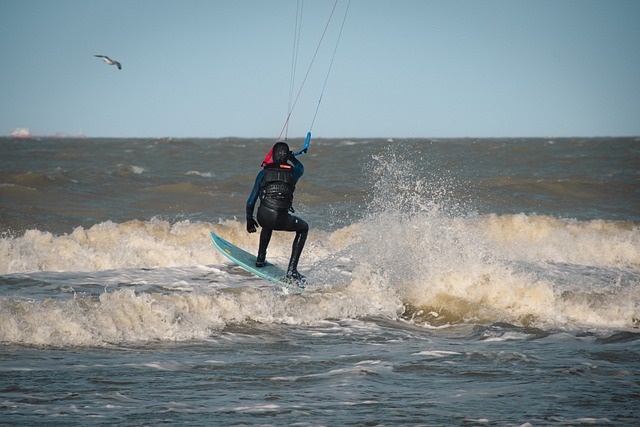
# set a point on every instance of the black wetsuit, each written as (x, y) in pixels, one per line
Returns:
(275, 185)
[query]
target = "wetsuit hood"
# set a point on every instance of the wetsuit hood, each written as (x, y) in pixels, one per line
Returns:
(278, 155)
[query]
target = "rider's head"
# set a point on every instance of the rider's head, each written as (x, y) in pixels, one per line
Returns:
(280, 153)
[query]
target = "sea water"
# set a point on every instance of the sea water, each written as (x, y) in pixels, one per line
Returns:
(452, 282)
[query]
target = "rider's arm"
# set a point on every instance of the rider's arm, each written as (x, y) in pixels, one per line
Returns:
(298, 168)
(253, 197)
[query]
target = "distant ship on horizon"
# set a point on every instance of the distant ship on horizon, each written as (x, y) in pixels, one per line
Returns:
(24, 133)
(20, 133)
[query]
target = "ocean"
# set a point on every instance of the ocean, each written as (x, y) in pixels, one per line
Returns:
(452, 282)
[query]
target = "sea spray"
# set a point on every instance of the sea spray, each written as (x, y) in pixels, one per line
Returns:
(449, 264)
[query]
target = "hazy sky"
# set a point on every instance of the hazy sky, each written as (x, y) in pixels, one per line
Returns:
(404, 68)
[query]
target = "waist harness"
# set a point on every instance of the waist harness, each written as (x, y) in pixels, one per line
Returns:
(277, 187)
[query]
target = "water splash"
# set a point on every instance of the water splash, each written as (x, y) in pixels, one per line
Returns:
(449, 264)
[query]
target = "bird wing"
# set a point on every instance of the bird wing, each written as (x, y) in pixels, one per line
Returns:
(109, 61)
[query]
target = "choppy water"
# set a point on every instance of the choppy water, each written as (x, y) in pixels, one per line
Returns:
(453, 282)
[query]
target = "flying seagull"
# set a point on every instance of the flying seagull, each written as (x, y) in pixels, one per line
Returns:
(109, 61)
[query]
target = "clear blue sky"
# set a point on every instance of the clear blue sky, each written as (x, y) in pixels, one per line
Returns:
(404, 68)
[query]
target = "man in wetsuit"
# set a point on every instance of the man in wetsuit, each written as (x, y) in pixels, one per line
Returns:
(275, 185)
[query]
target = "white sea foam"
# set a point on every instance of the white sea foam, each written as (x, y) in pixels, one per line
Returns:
(455, 270)
(127, 169)
(196, 173)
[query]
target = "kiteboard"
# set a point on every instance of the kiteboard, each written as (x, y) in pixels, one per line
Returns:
(245, 260)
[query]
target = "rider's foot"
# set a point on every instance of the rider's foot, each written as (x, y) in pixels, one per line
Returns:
(294, 277)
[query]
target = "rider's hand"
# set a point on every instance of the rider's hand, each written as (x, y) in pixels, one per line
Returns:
(252, 225)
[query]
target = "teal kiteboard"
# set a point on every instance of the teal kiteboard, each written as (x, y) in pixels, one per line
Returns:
(245, 260)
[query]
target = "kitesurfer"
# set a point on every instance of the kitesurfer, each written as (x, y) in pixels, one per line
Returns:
(275, 185)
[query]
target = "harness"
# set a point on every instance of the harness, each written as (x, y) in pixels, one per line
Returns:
(277, 186)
